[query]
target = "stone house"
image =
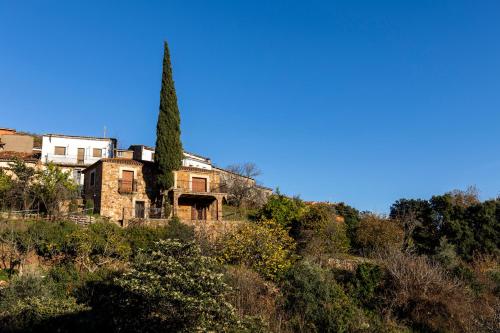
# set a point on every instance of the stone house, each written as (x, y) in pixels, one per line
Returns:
(124, 189)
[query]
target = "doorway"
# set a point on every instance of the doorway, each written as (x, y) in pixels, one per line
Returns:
(199, 211)
(139, 209)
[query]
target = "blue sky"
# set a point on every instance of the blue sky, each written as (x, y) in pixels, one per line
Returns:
(357, 101)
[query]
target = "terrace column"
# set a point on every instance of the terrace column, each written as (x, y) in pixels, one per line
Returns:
(219, 207)
(175, 203)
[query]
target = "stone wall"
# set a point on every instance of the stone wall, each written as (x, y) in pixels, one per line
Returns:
(108, 200)
(116, 205)
(17, 143)
(183, 178)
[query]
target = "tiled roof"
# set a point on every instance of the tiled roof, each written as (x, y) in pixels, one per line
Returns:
(13, 154)
(196, 169)
(79, 137)
(203, 157)
(117, 160)
(121, 160)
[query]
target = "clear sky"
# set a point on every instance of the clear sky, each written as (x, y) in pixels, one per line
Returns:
(357, 101)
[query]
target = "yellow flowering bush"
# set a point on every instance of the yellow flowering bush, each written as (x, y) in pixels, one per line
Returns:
(264, 246)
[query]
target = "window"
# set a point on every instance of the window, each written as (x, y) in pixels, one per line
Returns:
(77, 175)
(92, 178)
(152, 156)
(59, 150)
(97, 152)
(119, 154)
(127, 183)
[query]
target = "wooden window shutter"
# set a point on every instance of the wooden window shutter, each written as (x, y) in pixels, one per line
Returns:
(59, 150)
(97, 152)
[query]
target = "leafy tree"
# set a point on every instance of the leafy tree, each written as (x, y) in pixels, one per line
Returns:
(320, 233)
(266, 247)
(414, 215)
(168, 153)
(6, 184)
(53, 187)
(468, 225)
(351, 218)
(376, 233)
(485, 225)
(22, 191)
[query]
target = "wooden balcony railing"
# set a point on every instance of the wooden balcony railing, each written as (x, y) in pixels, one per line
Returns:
(209, 187)
(127, 186)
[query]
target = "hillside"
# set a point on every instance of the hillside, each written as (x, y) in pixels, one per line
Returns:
(292, 267)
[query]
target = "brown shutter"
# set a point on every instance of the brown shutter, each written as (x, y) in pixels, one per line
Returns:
(199, 184)
(127, 181)
(59, 150)
(97, 152)
(81, 155)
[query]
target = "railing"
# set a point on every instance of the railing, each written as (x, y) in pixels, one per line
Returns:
(71, 159)
(208, 187)
(156, 213)
(127, 186)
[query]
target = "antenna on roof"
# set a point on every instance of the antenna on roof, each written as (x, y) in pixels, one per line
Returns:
(104, 132)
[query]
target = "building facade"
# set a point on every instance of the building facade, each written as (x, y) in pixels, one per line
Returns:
(123, 189)
(75, 153)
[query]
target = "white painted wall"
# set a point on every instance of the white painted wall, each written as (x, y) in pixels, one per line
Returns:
(147, 154)
(72, 144)
(190, 160)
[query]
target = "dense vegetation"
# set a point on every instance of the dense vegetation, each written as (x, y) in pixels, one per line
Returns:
(431, 266)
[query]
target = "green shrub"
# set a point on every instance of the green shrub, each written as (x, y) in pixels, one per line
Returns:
(144, 237)
(170, 288)
(366, 283)
(65, 276)
(51, 239)
(99, 244)
(319, 233)
(316, 303)
(351, 218)
(282, 209)
(30, 302)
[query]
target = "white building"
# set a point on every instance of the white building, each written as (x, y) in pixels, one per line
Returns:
(75, 153)
(196, 161)
(145, 153)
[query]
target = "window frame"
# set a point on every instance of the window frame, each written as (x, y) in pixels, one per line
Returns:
(97, 149)
(60, 147)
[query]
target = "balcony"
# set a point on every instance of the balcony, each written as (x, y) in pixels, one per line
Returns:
(70, 159)
(199, 187)
(127, 186)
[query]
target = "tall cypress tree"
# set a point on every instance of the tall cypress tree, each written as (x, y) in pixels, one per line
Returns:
(168, 154)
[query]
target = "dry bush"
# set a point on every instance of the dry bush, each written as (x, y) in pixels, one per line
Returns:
(255, 297)
(487, 305)
(423, 292)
